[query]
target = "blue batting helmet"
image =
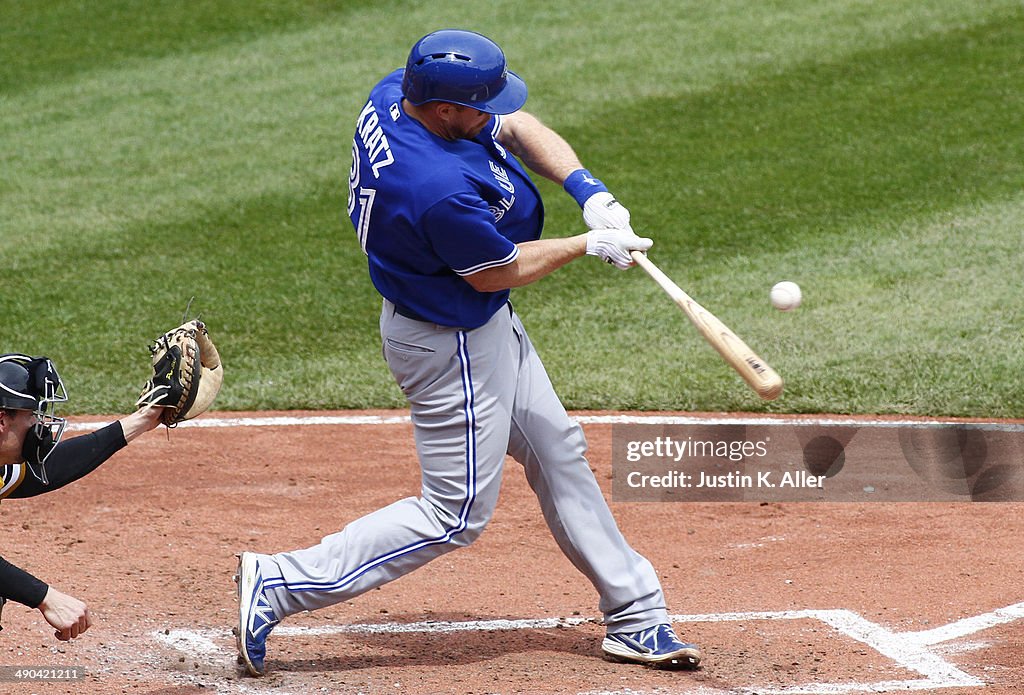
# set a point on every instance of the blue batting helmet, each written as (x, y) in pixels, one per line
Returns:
(462, 67)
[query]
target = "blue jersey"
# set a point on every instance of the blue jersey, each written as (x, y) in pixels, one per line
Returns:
(428, 211)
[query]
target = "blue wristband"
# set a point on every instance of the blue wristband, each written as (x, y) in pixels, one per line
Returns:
(581, 184)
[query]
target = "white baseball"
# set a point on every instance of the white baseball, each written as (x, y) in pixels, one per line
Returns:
(785, 295)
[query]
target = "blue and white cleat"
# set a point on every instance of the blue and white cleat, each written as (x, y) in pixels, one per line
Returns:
(655, 646)
(255, 615)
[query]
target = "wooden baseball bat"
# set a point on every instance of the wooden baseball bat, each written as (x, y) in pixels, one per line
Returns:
(755, 371)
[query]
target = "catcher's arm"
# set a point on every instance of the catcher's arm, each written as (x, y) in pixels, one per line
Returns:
(79, 456)
(141, 421)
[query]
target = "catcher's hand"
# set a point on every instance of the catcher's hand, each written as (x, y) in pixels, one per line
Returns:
(187, 373)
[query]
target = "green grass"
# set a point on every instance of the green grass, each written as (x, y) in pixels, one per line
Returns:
(871, 151)
(56, 41)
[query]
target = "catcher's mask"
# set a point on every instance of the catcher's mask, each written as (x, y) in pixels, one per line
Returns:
(33, 384)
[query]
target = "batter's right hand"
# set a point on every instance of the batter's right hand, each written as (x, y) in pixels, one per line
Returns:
(614, 245)
(66, 614)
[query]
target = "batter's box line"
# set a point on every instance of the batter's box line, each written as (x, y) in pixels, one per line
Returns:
(909, 650)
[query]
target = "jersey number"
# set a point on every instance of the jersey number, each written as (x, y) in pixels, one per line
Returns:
(361, 197)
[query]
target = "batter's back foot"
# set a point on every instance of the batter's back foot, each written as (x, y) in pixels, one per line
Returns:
(656, 646)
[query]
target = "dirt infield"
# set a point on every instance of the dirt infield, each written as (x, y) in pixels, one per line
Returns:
(782, 598)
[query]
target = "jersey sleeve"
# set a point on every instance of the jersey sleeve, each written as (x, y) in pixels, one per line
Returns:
(18, 585)
(461, 230)
(73, 459)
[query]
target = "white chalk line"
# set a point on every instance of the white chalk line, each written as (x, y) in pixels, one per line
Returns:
(909, 650)
(968, 626)
(759, 543)
(751, 421)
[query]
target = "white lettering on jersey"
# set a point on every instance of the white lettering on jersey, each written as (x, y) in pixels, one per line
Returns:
(505, 204)
(375, 142)
(502, 177)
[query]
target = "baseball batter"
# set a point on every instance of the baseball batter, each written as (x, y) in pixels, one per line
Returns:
(450, 222)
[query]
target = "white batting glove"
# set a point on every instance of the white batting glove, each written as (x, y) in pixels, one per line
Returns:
(614, 245)
(602, 211)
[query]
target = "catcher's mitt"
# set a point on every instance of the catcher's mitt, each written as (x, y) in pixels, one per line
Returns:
(187, 373)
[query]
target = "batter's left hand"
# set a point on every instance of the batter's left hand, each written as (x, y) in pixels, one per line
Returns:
(613, 246)
(602, 211)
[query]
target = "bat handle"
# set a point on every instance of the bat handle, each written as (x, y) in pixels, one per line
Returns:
(641, 259)
(664, 281)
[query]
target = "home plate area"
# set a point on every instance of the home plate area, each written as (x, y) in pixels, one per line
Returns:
(801, 652)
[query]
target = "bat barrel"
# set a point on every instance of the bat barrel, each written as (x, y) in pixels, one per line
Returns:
(755, 371)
